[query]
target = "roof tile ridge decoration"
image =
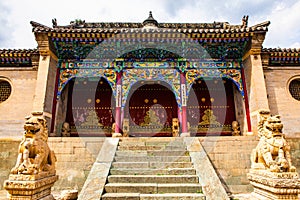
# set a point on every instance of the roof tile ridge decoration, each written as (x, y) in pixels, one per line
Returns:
(20, 52)
(38, 25)
(261, 26)
(288, 50)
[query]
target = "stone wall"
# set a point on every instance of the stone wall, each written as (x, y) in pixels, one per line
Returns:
(231, 159)
(19, 104)
(280, 100)
(75, 157)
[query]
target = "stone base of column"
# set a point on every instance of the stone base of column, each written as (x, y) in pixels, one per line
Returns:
(115, 135)
(30, 187)
(187, 134)
(274, 186)
(249, 134)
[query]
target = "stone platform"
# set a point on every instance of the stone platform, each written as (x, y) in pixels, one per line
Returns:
(274, 186)
(30, 187)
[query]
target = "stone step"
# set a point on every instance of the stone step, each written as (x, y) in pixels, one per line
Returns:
(167, 196)
(153, 179)
(149, 171)
(152, 158)
(151, 143)
(153, 188)
(172, 196)
(153, 165)
(151, 147)
(151, 139)
(153, 153)
(121, 196)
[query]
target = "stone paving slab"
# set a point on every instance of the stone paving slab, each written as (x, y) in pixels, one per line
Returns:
(121, 196)
(172, 196)
(153, 188)
(153, 179)
(152, 158)
(138, 171)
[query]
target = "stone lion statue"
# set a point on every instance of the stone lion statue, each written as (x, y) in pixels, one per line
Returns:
(34, 154)
(273, 151)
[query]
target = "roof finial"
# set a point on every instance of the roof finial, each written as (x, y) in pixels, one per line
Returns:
(150, 21)
(150, 14)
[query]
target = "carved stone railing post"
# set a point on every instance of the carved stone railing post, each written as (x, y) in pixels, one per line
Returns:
(34, 173)
(272, 174)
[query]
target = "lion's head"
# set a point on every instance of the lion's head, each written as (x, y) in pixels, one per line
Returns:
(36, 127)
(274, 126)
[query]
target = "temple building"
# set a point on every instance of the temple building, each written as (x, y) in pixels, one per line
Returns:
(98, 78)
(139, 81)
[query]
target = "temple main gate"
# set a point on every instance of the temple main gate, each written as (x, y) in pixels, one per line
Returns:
(149, 95)
(90, 107)
(146, 79)
(150, 109)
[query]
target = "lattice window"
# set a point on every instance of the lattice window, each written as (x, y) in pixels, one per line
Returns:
(294, 88)
(5, 90)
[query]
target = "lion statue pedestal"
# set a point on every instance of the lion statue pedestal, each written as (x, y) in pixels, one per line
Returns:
(272, 174)
(34, 173)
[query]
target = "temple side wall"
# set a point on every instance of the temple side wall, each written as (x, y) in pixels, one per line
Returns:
(19, 104)
(280, 100)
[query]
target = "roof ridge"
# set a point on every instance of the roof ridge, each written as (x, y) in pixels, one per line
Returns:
(6, 51)
(263, 24)
(36, 24)
(281, 49)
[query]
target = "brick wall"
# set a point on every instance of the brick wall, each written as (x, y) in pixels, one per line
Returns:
(280, 100)
(19, 104)
(231, 159)
(75, 157)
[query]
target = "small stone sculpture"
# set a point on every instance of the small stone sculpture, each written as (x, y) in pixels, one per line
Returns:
(235, 128)
(126, 127)
(65, 129)
(272, 174)
(273, 151)
(34, 155)
(175, 127)
(34, 173)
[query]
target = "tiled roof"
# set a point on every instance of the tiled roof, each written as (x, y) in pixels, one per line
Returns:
(282, 56)
(17, 57)
(83, 27)
(17, 52)
(281, 50)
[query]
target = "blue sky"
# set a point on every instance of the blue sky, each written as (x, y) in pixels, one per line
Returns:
(15, 15)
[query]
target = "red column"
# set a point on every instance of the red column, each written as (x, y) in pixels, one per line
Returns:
(54, 101)
(246, 102)
(184, 128)
(118, 103)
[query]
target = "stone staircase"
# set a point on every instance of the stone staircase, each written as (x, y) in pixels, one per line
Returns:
(152, 168)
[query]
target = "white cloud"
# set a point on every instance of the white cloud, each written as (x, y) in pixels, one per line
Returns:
(16, 15)
(284, 29)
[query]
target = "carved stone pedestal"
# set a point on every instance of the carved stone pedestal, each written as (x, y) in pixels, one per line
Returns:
(274, 186)
(30, 187)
